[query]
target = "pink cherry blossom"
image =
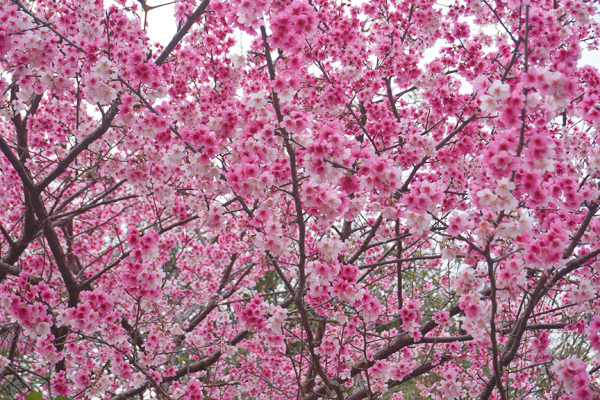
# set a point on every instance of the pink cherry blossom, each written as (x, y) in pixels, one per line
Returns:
(299, 199)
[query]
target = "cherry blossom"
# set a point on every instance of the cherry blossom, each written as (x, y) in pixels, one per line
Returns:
(299, 199)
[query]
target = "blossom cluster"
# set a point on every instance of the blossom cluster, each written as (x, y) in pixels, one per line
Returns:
(299, 198)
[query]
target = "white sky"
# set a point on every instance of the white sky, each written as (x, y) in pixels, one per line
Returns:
(161, 22)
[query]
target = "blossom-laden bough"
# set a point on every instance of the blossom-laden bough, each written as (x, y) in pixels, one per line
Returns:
(326, 210)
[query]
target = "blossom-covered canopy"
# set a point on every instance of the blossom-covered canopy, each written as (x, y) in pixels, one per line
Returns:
(384, 199)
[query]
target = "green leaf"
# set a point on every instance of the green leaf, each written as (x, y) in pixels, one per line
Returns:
(61, 398)
(34, 396)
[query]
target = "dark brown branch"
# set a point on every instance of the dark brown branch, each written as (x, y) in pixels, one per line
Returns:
(182, 32)
(214, 300)
(9, 269)
(455, 131)
(390, 96)
(105, 269)
(423, 369)
(580, 232)
(206, 362)
(494, 309)
(30, 224)
(366, 242)
(6, 235)
(89, 139)
(400, 260)
(515, 337)
(47, 25)
(130, 393)
(294, 175)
